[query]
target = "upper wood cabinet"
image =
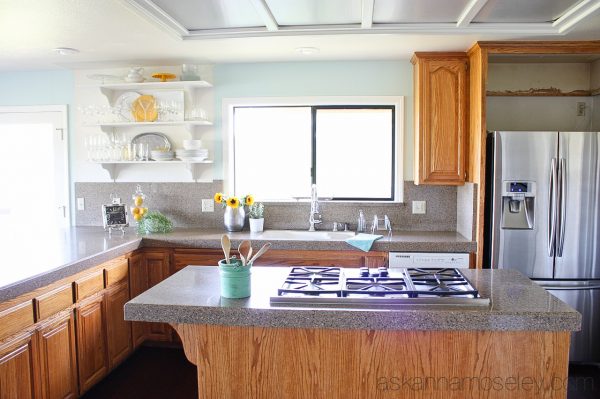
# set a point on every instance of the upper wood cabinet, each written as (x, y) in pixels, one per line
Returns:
(441, 89)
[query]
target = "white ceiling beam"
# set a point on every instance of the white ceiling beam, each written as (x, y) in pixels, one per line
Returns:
(469, 12)
(265, 14)
(367, 14)
(148, 9)
(532, 29)
(576, 14)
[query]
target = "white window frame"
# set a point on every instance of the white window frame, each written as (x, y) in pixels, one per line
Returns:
(63, 110)
(229, 104)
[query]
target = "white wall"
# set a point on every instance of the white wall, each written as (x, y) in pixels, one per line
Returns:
(538, 113)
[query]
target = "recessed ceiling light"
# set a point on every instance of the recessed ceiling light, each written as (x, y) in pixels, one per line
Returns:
(307, 50)
(65, 50)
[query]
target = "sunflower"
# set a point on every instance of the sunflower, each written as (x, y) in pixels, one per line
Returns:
(249, 200)
(233, 202)
(219, 198)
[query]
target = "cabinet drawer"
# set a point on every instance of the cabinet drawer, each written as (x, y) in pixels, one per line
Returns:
(116, 272)
(16, 318)
(53, 302)
(89, 285)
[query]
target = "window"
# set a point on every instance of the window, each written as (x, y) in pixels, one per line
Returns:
(34, 167)
(350, 150)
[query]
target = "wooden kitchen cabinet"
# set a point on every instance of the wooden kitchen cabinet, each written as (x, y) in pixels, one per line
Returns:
(441, 90)
(92, 355)
(57, 357)
(18, 367)
(199, 257)
(118, 330)
(284, 257)
(146, 270)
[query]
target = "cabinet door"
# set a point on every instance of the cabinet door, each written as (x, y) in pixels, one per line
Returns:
(118, 330)
(157, 269)
(284, 257)
(58, 365)
(138, 283)
(91, 342)
(441, 118)
(196, 257)
(18, 368)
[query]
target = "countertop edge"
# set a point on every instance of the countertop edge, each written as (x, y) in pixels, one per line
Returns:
(423, 320)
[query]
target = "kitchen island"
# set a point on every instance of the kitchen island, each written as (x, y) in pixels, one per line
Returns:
(247, 348)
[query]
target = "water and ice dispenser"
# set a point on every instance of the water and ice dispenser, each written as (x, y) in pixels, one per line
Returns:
(518, 205)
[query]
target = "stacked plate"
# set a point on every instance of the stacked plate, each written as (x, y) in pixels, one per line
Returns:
(161, 155)
(194, 155)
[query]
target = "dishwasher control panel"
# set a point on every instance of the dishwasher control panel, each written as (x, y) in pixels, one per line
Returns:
(429, 259)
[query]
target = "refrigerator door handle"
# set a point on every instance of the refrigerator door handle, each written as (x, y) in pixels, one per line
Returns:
(570, 287)
(552, 209)
(562, 183)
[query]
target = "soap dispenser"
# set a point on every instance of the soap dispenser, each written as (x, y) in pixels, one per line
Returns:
(361, 227)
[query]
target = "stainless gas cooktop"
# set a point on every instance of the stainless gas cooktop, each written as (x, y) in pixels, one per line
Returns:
(384, 287)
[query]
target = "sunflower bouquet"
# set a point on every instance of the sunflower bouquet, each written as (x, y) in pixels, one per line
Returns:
(234, 202)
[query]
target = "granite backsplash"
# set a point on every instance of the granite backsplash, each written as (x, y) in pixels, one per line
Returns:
(182, 202)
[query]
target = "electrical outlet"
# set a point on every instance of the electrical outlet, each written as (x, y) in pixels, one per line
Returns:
(581, 109)
(208, 205)
(80, 204)
(418, 207)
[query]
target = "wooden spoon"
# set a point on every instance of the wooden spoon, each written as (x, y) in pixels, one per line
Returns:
(244, 249)
(226, 245)
(261, 251)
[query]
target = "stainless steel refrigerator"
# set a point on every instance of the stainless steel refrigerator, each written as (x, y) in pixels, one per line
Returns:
(545, 219)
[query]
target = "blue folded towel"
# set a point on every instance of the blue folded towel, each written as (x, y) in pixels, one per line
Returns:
(363, 241)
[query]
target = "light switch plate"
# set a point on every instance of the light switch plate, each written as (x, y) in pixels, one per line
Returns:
(208, 205)
(418, 207)
(80, 204)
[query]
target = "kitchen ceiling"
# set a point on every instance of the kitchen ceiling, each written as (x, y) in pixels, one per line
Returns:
(169, 32)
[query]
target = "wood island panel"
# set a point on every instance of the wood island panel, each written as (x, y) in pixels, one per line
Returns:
(317, 363)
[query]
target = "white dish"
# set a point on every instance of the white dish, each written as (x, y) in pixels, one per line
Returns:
(193, 159)
(192, 144)
(123, 105)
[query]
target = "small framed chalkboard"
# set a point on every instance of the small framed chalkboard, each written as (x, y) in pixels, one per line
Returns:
(115, 216)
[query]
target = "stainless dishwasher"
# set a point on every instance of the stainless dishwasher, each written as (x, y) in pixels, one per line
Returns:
(429, 259)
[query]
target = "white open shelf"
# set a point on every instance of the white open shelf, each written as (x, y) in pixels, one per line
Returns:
(107, 88)
(189, 125)
(112, 167)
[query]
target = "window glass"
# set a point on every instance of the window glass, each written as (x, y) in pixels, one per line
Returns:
(354, 153)
(272, 148)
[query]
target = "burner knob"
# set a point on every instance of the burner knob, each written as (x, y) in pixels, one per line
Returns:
(364, 271)
(383, 272)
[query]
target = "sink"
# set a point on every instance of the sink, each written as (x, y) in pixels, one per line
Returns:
(304, 235)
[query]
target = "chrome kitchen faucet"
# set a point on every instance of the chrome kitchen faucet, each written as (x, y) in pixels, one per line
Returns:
(314, 217)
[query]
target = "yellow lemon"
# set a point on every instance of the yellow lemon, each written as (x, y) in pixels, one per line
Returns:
(138, 200)
(135, 211)
(143, 211)
(137, 217)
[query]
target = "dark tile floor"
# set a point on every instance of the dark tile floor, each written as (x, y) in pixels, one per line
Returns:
(150, 373)
(584, 381)
(165, 373)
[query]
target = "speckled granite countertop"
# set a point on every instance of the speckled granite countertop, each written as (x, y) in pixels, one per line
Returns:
(32, 260)
(193, 296)
(410, 241)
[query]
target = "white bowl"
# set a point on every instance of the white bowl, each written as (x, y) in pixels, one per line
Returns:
(192, 144)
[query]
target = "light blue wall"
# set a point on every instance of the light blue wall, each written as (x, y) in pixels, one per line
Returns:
(36, 88)
(339, 78)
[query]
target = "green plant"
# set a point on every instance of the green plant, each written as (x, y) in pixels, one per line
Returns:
(257, 210)
(154, 222)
